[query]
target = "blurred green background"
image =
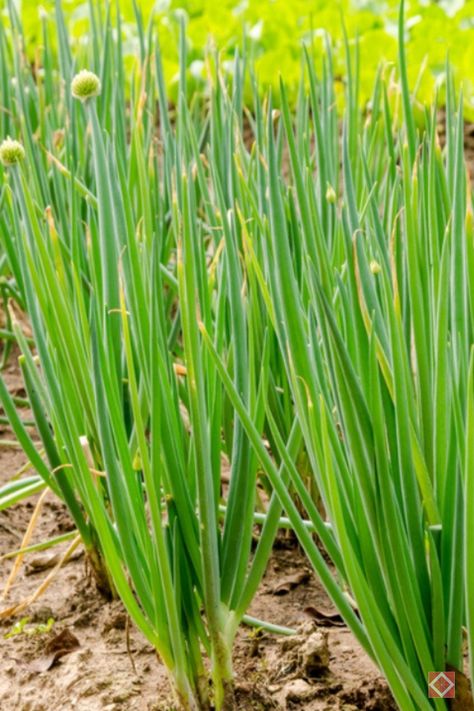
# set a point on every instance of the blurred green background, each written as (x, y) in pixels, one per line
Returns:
(275, 30)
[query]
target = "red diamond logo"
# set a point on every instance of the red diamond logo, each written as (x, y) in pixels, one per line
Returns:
(441, 685)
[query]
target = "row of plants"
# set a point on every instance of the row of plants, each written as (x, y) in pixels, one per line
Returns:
(274, 31)
(220, 287)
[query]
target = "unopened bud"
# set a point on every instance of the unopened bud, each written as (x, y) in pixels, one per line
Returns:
(331, 194)
(375, 267)
(11, 152)
(85, 85)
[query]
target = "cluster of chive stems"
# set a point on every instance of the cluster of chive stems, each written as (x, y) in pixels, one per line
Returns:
(296, 310)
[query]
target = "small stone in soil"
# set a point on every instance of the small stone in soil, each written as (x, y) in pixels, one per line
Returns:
(314, 654)
(297, 690)
(273, 688)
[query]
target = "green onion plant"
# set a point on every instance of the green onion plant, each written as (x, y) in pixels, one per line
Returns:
(115, 248)
(364, 260)
(278, 293)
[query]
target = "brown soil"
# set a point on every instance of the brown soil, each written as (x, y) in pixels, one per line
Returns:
(113, 668)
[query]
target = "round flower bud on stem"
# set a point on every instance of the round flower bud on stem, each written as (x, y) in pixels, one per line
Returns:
(85, 85)
(331, 196)
(375, 267)
(11, 152)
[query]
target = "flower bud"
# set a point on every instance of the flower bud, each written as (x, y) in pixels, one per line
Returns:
(375, 267)
(85, 85)
(11, 152)
(331, 194)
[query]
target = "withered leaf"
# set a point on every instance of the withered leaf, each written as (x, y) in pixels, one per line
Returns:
(40, 563)
(44, 562)
(60, 645)
(324, 618)
(291, 582)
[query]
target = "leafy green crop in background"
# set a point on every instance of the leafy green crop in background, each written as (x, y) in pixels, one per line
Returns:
(275, 29)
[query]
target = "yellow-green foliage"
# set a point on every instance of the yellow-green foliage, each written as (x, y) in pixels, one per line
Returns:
(276, 28)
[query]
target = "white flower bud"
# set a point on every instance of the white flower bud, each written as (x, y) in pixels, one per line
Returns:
(85, 85)
(11, 152)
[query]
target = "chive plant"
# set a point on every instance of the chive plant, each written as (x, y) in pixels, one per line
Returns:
(195, 304)
(364, 260)
(115, 247)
